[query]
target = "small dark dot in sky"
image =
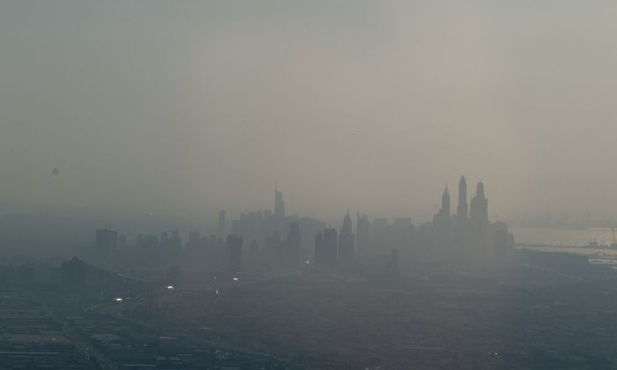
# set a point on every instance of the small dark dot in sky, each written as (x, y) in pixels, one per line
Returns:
(55, 171)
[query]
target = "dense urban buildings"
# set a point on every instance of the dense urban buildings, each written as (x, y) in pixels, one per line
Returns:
(266, 242)
(284, 291)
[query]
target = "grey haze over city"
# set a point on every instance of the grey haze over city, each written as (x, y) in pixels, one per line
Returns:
(121, 112)
(302, 185)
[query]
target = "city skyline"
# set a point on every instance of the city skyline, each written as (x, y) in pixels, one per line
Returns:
(350, 184)
(385, 98)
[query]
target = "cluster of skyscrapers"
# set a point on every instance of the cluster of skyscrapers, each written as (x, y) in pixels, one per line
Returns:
(256, 245)
(332, 253)
(469, 233)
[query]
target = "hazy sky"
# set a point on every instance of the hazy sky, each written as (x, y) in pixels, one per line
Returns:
(180, 106)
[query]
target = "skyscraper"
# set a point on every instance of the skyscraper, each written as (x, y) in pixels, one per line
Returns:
(402, 233)
(478, 211)
(363, 233)
(445, 202)
(441, 221)
(346, 244)
(320, 252)
(462, 208)
(331, 248)
(347, 226)
(461, 235)
(478, 220)
(279, 204)
(381, 233)
(106, 242)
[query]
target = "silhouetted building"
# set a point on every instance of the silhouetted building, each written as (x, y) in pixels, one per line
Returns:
(462, 208)
(252, 225)
(234, 250)
(193, 245)
(461, 230)
(363, 236)
(279, 204)
(441, 221)
(325, 250)
(106, 242)
(402, 233)
(73, 271)
(150, 245)
(331, 247)
(479, 207)
(164, 249)
(309, 227)
(346, 245)
(478, 220)
(381, 231)
(175, 241)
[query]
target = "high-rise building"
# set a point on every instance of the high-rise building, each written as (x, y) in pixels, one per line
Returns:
(330, 247)
(73, 271)
(478, 220)
(461, 230)
(106, 242)
(222, 224)
(363, 234)
(381, 233)
(478, 211)
(346, 245)
(441, 221)
(176, 242)
(445, 203)
(320, 252)
(402, 233)
(251, 226)
(462, 208)
(279, 204)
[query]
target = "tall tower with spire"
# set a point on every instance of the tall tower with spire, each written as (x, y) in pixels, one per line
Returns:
(462, 208)
(279, 204)
(478, 219)
(346, 244)
(441, 221)
(478, 212)
(346, 224)
(445, 203)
